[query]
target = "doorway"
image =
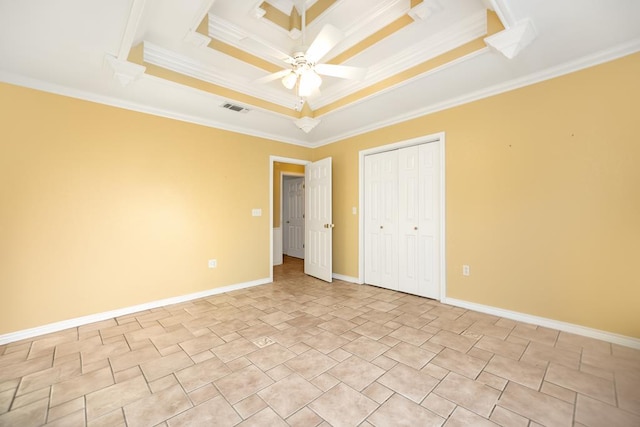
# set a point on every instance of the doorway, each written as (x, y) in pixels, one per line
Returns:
(281, 169)
(292, 215)
(318, 225)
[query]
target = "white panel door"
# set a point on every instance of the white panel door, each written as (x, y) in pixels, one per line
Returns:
(318, 224)
(419, 269)
(429, 199)
(381, 219)
(408, 219)
(293, 217)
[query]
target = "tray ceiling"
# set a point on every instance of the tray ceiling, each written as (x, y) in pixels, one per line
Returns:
(187, 59)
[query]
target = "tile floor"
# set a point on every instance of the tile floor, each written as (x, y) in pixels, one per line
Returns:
(300, 352)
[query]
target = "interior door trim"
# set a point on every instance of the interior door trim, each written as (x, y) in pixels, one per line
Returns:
(272, 160)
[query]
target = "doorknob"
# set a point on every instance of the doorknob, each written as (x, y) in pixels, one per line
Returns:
(329, 226)
(381, 227)
(415, 228)
(287, 222)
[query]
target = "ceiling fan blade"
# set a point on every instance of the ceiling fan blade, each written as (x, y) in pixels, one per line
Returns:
(328, 37)
(271, 77)
(342, 71)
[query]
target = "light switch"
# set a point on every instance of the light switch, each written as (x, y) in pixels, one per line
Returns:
(256, 212)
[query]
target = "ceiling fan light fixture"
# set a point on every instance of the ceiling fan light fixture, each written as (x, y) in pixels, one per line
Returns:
(289, 80)
(309, 82)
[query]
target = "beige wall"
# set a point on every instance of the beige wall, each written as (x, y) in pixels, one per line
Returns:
(278, 169)
(103, 208)
(542, 197)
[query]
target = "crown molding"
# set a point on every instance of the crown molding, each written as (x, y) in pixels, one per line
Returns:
(307, 123)
(501, 8)
(197, 39)
(258, 12)
(135, 16)
(225, 31)
(124, 71)
(367, 22)
(142, 108)
(425, 10)
(380, 11)
(294, 34)
(601, 57)
(156, 55)
(616, 52)
(471, 28)
(284, 6)
(202, 12)
(510, 42)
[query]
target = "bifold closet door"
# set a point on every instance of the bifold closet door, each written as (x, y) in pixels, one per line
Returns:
(381, 219)
(418, 220)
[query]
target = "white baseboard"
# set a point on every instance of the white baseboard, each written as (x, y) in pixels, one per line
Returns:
(79, 321)
(548, 323)
(346, 278)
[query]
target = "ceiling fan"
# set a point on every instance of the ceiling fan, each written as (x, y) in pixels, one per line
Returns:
(304, 73)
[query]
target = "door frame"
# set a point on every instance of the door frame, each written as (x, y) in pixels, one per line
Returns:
(282, 176)
(272, 160)
(436, 137)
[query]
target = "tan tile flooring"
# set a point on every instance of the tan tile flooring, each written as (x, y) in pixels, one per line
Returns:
(301, 352)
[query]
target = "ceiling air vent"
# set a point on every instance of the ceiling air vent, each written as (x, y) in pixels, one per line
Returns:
(234, 107)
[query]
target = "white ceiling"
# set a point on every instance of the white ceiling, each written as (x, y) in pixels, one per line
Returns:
(71, 47)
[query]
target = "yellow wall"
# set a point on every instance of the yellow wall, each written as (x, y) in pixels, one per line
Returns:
(279, 168)
(542, 197)
(103, 208)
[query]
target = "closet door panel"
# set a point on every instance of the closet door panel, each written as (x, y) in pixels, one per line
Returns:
(429, 220)
(381, 219)
(409, 186)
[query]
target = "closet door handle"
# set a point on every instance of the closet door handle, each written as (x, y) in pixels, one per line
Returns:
(415, 228)
(381, 227)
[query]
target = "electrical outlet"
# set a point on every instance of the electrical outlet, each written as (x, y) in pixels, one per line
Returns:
(465, 270)
(213, 263)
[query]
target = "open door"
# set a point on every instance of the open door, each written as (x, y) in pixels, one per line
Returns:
(319, 227)
(293, 216)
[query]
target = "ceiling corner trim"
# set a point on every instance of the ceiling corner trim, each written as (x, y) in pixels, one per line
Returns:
(135, 17)
(124, 71)
(511, 41)
(424, 10)
(502, 9)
